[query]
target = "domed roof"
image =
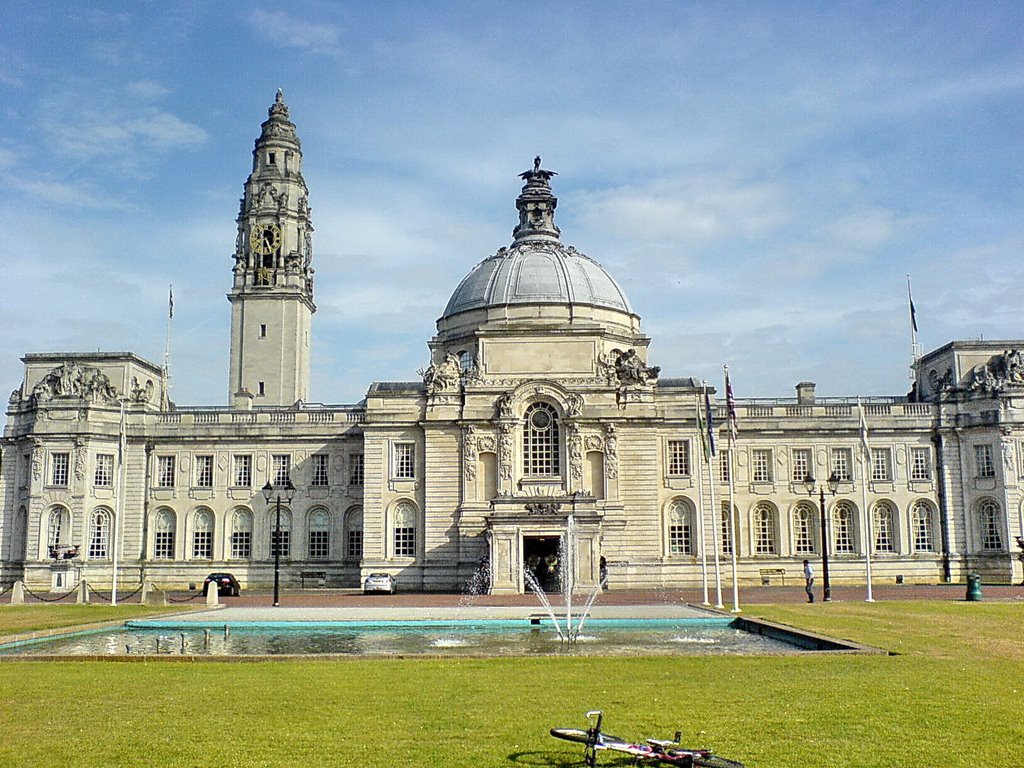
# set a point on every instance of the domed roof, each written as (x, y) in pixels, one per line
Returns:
(537, 268)
(537, 273)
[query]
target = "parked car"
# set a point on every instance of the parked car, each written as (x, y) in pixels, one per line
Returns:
(380, 582)
(226, 583)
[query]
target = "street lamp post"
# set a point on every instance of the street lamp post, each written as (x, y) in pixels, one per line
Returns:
(833, 484)
(268, 492)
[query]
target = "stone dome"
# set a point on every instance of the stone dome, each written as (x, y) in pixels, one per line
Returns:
(537, 268)
(535, 272)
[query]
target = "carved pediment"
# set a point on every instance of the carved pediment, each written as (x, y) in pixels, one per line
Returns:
(74, 381)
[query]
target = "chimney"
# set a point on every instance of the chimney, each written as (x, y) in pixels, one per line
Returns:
(805, 393)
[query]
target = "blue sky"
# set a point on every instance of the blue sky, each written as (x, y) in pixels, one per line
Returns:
(759, 177)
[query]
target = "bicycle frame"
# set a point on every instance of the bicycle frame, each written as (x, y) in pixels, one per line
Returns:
(669, 752)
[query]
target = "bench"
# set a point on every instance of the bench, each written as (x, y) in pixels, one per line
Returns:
(768, 573)
(320, 577)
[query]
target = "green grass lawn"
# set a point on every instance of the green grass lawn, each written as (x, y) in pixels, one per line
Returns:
(953, 697)
(35, 617)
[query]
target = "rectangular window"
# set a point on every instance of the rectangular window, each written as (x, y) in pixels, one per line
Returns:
(204, 471)
(282, 466)
(405, 542)
(242, 470)
(104, 477)
(983, 460)
(320, 465)
(881, 464)
(355, 469)
(164, 471)
(679, 539)
(405, 461)
(761, 465)
(286, 543)
(355, 544)
(163, 545)
(841, 464)
(920, 464)
(678, 458)
(801, 465)
(319, 544)
(723, 466)
(202, 545)
(59, 463)
(261, 388)
(263, 330)
(241, 545)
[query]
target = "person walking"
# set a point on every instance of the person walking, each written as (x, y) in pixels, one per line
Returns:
(809, 581)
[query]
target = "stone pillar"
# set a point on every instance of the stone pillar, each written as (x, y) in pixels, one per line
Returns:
(212, 594)
(18, 593)
(83, 593)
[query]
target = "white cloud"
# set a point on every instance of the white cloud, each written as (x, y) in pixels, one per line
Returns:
(147, 89)
(316, 37)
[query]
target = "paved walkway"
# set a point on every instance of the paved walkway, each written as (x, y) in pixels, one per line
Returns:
(334, 605)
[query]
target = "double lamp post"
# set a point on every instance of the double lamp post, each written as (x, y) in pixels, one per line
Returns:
(269, 491)
(833, 485)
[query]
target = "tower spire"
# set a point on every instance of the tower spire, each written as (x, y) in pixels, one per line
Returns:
(536, 206)
(272, 288)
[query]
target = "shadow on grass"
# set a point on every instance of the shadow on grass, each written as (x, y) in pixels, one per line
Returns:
(551, 760)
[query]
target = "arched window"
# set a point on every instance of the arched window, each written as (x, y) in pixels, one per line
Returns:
(466, 361)
(58, 531)
(163, 535)
(725, 520)
(354, 533)
(405, 530)
(805, 539)
(241, 535)
(99, 534)
(844, 519)
(319, 535)
(922, 527)
(285, 533)
(991, 531)
(884, 521)
(540, 441)
(202, 535)
(680, 528)
(764, 529)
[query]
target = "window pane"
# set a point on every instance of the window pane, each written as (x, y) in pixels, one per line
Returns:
(104, 477)
(540, 441)
(678, 457)
(320, 474)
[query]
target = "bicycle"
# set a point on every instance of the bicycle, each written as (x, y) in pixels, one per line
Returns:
(594, 740)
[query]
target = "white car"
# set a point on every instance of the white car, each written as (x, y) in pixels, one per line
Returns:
(380, 582)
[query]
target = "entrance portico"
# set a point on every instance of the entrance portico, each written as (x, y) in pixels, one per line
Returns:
(525, 531)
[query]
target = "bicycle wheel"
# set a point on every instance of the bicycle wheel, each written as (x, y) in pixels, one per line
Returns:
(572, 734)
(714, 761)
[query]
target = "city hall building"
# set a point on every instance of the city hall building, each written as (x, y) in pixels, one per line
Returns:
(538, 410)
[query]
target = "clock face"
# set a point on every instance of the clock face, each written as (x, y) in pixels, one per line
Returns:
(265, 238)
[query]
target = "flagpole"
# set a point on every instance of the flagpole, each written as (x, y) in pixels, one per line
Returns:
(865, 463)
(734, 527)
(915, 348)
(702, 537)
(165, 396)
(119, 504)
(716, 534)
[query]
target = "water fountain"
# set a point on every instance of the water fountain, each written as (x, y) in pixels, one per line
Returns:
(567, 583)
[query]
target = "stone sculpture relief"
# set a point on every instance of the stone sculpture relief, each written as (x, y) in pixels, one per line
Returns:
(575, 442)
(79, 456)
(443, 377)
(999, 373)
(469, 451)
(37, 460)
(505, 452)
(611, 456)
(72, 380)
(140, 393)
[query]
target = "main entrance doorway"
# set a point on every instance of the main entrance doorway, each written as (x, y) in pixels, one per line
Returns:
(540, 557)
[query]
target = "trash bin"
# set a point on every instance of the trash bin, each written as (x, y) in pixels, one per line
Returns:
(974, 586)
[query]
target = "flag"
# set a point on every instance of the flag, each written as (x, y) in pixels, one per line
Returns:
(913, 312)
(730, 404)
(706, 430)
(863, 431)
(170, 302)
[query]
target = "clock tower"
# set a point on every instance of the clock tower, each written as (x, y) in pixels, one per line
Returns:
(272, 291)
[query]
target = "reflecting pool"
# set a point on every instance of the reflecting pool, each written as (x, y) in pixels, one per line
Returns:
(600, 637)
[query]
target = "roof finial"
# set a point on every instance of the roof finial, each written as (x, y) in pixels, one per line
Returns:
(280, 95)
(536, 205)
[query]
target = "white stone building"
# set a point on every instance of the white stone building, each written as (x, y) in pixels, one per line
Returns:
(538, 406)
